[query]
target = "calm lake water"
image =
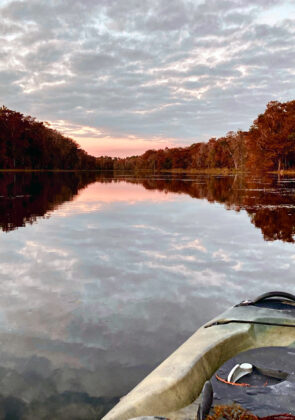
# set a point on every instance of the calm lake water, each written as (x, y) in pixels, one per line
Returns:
(102, 276)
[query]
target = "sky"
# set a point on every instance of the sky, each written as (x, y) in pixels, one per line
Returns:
(124, 76)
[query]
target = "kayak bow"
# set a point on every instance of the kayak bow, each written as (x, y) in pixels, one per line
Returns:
(267, 321)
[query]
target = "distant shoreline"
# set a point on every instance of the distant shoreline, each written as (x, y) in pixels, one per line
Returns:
(208, 171)
(225, 171)
(53, 170)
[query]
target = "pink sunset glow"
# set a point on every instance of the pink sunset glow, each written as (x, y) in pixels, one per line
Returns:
(97, 195)
(98, 142)
(121, 147)
(121, 191)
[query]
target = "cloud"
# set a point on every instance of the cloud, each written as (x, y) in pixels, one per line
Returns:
(221, 255)
(180, 70)
(196, 244)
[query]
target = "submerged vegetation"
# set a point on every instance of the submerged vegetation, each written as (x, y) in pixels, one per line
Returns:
(269, 145)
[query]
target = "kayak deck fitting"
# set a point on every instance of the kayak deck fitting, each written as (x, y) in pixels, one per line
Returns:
(169, 390)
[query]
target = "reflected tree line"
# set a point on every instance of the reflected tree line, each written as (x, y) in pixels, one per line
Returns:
(269, 201)
(24, 197)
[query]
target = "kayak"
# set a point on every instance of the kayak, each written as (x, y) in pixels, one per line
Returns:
(212, 355)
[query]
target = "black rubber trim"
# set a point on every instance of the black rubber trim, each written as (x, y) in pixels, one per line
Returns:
(242, 321)
(268, 295)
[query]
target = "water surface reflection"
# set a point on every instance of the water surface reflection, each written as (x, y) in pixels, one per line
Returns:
(97, 294)
(269, 201)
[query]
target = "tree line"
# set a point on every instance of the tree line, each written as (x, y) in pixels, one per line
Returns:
(269, 144)
(29, 144)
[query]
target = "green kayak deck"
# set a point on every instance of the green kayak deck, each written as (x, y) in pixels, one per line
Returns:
(175, 384)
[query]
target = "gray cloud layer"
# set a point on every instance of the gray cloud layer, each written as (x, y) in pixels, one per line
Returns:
(180, 68)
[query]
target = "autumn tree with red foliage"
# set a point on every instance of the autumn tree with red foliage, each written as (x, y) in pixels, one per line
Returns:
(29, 144)
(271, 139)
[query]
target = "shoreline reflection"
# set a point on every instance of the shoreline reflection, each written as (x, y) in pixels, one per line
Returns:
(27, 196)
(269, 202)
